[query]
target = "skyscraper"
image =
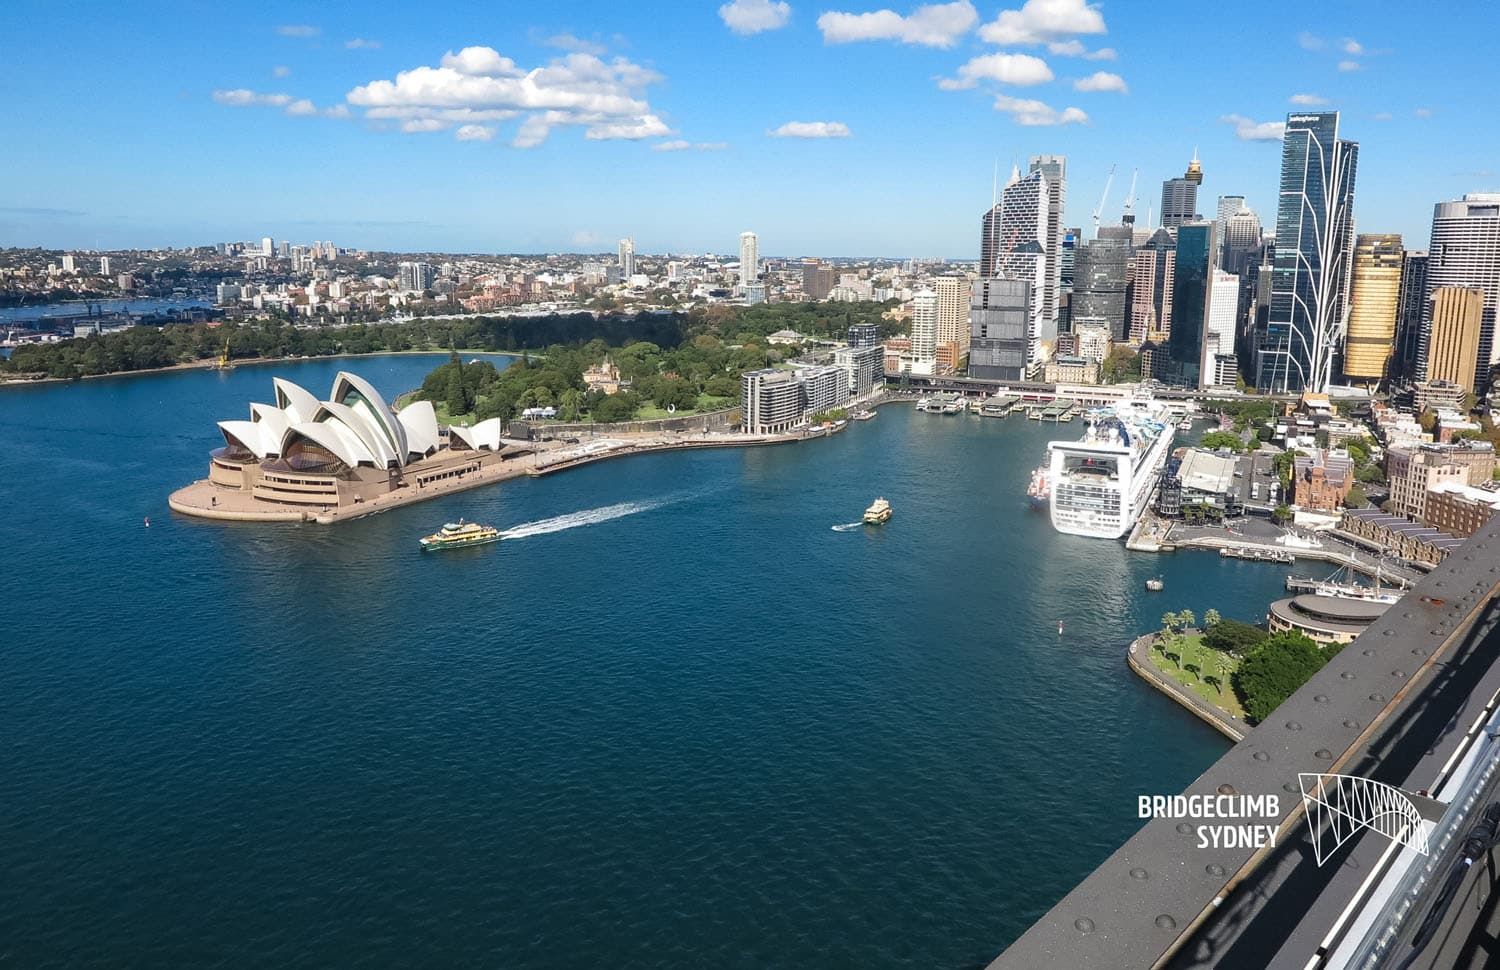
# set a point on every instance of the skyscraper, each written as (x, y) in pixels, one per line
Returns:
(924, 311)
(999, 323)
(817, 280)
(1218, 365)
(267, 246)
(749, 258)
(627, 258)
(1228, 206)
(1453, 341)
(1190, 293)
(1101, 275)
(103, 265)
(1152, 275)
(952, 311)
(1465, 251)
(1022, 240)
(1179, 196)
(1403, 364)
(1054, 168)
(1314, 244)
(1374, 300)
(1240, 243)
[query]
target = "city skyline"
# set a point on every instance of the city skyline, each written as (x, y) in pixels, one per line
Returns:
(365, 127)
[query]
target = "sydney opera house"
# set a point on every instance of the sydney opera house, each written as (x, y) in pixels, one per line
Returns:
(300, 456)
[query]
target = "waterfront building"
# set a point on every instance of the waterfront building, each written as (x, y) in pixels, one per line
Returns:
(1453, 336)
(1321, 479)
(1190, 295)
(924, 319)
(1412, 472)
(864, 335)
(1204, 480)
(864, 365)
(1324, 619)
(952, 324)
(1152, 276)
(1101, 277)
(1460, 510)
(1399, 535)
(1408, 339)
(749, 259)
(1000, 314)
(1314, 236)
(1069, 369)
(1374, 302)
(822, 388)
(771, 401)
(1219, 366)
(1465, 252)
(1022, 239)
(627, 257)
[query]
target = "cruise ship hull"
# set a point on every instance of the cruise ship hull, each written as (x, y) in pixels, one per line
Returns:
(1101, 487)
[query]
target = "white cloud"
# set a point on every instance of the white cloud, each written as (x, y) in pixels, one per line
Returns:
(301, 108)
(1308, 100)
(296, 107)
(1021, 70)
(1037, 113)
(570, 42)
(281, 70)
(811, 129)
(930, 25)
(678, 145)
(337, 111)
(1075, 48)
(1383, 116)
(419, 125)
(298, 30)
(748, 17)
(474, 133)
(1040, 21)
(1101, 81)
(1309, 42)
(1102, 54)
(1353, 47)
(605, 98)
(1246, 129)
(1423, 112)
(361, 43)
(1347, 66)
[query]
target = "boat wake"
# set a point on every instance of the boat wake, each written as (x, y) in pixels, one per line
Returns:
(576, 520)
(847, 527)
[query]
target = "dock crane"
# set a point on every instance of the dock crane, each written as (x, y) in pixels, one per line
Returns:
(1130, 199)
(1100, 207)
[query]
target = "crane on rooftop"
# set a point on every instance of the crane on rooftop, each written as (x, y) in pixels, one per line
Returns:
(1100, 207)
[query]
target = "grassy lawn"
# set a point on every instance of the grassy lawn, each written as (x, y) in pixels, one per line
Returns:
(650, 412)
(1192, 651)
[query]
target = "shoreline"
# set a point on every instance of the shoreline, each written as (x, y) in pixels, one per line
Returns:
(1137, 656)
(210, 363)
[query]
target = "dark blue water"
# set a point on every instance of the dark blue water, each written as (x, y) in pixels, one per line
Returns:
(712, 731)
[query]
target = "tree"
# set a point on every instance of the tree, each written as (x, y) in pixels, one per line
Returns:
(1214, 682)
(1282, 514)
(1356, 498)
(1274, 671)
(1232, 636)
(1192, 669)
(1186, 619)
(1214, 440)
(1168, 622)
(572, 404)
(456, 400)
(1211, 618)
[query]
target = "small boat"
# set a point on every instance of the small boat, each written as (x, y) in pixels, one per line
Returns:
(1155, 584)
(878, 512)
(458, 534)
(1186, 424)
(1039, 491)
(1059, 627)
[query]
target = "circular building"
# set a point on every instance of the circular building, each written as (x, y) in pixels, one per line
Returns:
(1324, 619)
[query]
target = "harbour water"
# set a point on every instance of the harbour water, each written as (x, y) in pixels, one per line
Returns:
(20, 315)
(676, 720)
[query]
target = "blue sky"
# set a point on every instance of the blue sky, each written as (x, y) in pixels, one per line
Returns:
(186, 123)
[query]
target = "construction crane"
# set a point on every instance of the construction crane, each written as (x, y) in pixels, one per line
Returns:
(1130, 199)
(1100, 207)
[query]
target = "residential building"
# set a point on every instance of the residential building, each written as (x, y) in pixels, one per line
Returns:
(817, 280)
(749, 258)
(1374, 303)
(69, 263)
(822, 388)
(1314, 239)
(952, 311)
(771, 401)
(863, 364)
(864, 335)
(1408, 341)
(1465, 252)
(415, 277)
(1000, 314)
(1413, 472)
(1021, 240)
(1190, 295)
(1053, 168)
(924, 320)
(627, 257)
(1101, 276)
(1460, 510)
(1321, 479)
(267, 246)
(1454, 339)
(103, 265)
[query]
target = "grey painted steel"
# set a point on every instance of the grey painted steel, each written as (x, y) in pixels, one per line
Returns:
(1389, 703)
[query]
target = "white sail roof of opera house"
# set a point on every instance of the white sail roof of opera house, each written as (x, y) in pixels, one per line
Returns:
(485, 434)
(354, 424)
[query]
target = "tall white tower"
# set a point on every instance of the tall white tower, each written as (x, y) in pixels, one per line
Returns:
(627, 257)
(749, 258)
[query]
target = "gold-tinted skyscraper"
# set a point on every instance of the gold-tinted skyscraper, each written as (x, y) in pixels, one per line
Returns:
(1373, 304)
(1453, 347)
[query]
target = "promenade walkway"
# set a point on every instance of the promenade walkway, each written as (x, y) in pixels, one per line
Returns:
(1139, 658)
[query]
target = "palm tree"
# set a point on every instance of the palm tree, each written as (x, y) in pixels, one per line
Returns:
(1211, 617)
(1214, 682)
(1192, 669)
(1176, 659)
(1168, 621)
(1186, 618)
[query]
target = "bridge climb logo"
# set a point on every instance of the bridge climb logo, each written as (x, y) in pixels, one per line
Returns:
(1339, 806)
(1220, 835)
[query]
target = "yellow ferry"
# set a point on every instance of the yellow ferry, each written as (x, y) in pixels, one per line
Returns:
(878, 512)
(457, 534)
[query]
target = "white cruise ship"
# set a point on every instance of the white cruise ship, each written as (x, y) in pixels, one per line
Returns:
(1101, 484)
